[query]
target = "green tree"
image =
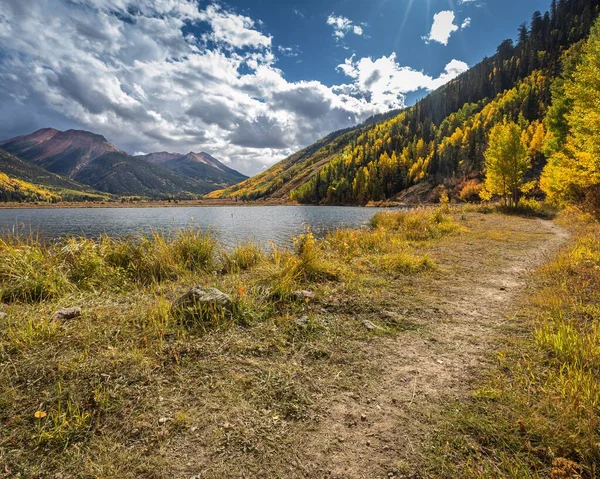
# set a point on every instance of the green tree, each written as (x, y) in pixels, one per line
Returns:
(506, 162)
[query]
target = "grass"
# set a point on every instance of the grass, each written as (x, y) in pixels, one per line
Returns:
(133, 381)
(538, 415)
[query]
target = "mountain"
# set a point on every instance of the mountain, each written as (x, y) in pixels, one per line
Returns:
(198, 166)
(443, 137)
(62, 152)
(65, 188)
(88, 158)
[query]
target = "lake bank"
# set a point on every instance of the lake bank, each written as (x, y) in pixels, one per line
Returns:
(145, 204)
(337, 358)
(229, 223)
(187, 203)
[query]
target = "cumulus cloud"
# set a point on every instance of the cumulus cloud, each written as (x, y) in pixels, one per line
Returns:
(342, 26)
(443, 27)
(171, 75)
(385, 82)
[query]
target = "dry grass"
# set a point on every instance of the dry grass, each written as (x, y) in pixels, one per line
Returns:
(131, 388)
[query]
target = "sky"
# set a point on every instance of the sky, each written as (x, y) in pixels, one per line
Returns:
(247, 81)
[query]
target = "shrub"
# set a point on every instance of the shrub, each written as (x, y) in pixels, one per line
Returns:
(470, 191)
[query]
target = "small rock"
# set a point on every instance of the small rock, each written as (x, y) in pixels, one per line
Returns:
(302, 322)
(3, 315)
(370, 326)
(163, 420)
(199, 302)
(303, 294)
(65, 314)
(363, 417)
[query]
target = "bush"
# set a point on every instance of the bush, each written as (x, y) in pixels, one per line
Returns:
(470, 191)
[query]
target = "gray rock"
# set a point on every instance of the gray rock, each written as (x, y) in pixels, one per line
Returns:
(202, 304)
(199, 296)
(303, 294)
(66, 314)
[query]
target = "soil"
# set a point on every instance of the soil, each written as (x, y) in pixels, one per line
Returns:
(460, 316)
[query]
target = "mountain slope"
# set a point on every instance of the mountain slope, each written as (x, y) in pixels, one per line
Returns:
(90, 159)
(12, 189)
(283, 177)
(67, 189)
(198, 166)
(62, 152)
(430, 142)
(126, 175)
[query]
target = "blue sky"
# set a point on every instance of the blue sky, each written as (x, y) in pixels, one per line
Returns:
(249, 82)
(389, 26)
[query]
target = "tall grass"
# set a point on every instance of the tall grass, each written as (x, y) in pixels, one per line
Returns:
(31, 271)
(417, 225)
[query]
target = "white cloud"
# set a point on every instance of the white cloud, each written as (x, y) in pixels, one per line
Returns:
(443, 27)
(385, 82)
(166, 75)
(342, 26)
(466, 23)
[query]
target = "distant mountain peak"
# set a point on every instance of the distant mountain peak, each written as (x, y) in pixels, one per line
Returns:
(83, 134)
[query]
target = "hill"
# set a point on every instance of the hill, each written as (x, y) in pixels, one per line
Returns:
(88, 158)
(442, 138)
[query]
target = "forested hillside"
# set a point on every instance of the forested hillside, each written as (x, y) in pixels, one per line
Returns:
(442, 139)
(29, 182)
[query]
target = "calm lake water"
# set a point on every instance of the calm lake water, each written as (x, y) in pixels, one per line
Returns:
(229, 224)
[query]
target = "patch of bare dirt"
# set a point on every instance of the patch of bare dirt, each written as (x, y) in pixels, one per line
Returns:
(379, 430)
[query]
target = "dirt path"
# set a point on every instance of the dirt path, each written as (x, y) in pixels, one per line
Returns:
(460, 314)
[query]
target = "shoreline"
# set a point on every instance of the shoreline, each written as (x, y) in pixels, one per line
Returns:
(178, 204)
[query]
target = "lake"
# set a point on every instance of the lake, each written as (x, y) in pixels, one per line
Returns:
(230, 224)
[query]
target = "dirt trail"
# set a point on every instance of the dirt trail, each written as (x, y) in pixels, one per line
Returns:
(460, 314)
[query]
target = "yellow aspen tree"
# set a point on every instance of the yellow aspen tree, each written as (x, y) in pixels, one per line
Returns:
(506, 162)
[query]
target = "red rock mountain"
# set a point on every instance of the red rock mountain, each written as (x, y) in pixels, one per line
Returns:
(90, 159)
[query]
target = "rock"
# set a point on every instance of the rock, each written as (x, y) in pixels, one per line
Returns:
(200, 302)
(363, 417)
(370, 326)
(66, 314)
(302, 322)
(303, 294)
(3, 315)
(163, 420)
